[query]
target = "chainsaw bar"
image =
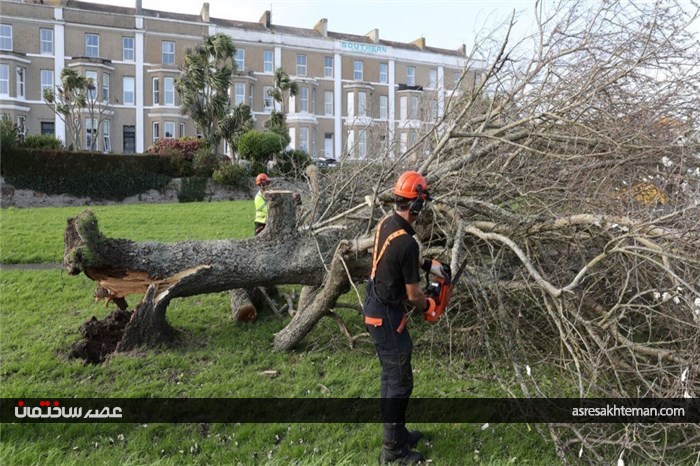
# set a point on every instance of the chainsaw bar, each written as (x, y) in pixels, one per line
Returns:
(460, 271)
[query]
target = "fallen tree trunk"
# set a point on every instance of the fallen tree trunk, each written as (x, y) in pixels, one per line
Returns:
(280, 255)
(346, 264)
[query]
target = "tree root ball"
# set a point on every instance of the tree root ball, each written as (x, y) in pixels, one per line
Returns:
(100, 337)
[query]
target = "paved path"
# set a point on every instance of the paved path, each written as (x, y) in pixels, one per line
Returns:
(42, 266)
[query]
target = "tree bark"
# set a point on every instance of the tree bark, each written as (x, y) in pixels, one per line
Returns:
(281, 254)
(242, 308)
(346, 264)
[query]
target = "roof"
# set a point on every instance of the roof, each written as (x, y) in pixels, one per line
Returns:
(259, 27)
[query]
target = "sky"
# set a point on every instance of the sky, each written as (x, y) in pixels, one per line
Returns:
(444, 23)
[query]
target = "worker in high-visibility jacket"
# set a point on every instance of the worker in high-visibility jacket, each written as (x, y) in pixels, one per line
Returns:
(262, 181)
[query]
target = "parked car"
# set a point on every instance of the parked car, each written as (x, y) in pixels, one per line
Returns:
(325, 162)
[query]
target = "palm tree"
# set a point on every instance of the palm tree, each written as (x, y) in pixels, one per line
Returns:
(203, 86)
(283, 85)
(235, 125)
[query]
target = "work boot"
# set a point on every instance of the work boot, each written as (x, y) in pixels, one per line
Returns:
(413, 437)
(395, 446)
(400, 455)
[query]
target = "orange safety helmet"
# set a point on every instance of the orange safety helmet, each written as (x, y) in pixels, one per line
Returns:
(411, 185)
(262, 178)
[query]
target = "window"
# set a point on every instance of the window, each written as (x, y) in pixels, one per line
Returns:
(362, 144)
(156, 131)
(46, 41)
(128, 84)
(267, 98)
(156, 91)
(304, 139)
(168, 49)
(4, 80)
(328, 102)
(432, 79)
(301, 65)
(48, 127)
(383, 73)
(358, 70)
(240, 59)
(362, 104)
(268, 61)
(383, 107)
(304, 99)
(128, 48)
(129, 138)
(328, 67)
(351, 104)
(410, 76)
(433, 110)
(456, 77)
(21, 80)
(169, 85)
(92, 45)
(105, 87)
(181, 134)
(251, 93)
(5, 37)
(46, 81)
(169, 130)
(414, 107)
(106, 142)
(351, 142)
(403, 107)
(239, 93)
(90, 130)
(91, 85)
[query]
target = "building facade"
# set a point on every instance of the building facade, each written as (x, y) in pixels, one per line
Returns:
(356, 93)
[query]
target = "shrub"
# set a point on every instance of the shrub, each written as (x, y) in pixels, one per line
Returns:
(42, 141)
(292, 163)
(99, 176)
(204, 162)
(260, 147)
(192, 189)
(185, 147)
(232, 175)
(9, 134)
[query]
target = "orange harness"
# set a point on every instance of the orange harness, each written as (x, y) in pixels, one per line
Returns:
(376, 257)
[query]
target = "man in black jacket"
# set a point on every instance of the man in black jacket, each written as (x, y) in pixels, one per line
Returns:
(395, 279)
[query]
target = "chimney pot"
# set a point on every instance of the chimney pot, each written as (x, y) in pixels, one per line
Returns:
(420, 43)
(322, 27)
(266, 19)
(373, 35)
(204, 13)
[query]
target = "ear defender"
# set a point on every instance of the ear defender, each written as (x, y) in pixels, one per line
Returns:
(416, 205)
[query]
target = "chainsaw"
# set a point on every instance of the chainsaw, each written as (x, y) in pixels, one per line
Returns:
(439, 291)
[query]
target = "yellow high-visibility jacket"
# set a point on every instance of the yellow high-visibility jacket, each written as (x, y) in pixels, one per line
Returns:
(260, 208)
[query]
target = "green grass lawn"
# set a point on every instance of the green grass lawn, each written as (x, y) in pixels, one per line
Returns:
(36, 235)
(40, 312)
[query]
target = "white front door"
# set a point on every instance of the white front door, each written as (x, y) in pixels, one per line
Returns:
(328, 146)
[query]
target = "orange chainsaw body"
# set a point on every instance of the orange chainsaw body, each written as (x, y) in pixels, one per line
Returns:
(440, 291)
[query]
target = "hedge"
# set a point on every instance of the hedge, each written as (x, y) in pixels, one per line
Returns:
(98, 176)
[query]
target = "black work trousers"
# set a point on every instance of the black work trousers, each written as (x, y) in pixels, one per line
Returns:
(394, 347)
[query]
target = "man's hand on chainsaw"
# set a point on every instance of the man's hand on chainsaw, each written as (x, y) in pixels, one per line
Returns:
(439, 269)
